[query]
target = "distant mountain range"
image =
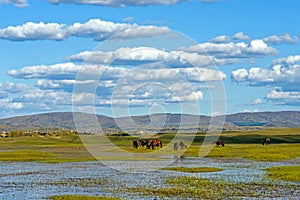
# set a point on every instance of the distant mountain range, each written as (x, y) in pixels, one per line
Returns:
(65, 120)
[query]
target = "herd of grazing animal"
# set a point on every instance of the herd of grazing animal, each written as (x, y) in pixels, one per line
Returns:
(151, 144)
(147, 143)
(181, 144)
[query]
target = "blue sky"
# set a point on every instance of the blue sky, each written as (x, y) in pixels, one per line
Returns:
(124, 57)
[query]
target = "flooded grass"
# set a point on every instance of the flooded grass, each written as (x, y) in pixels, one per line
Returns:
(285, 173)
(194, 169)
(80, 182)
(81, 197)
(200, 188)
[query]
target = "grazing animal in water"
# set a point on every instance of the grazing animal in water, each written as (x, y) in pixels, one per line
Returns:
(219, 142)
(175, 147)
(266, 141)
(182, 145)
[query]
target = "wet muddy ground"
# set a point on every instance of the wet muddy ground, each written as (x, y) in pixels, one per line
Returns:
(31, 180)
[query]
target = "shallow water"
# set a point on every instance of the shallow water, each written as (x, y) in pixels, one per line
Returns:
(30, 180)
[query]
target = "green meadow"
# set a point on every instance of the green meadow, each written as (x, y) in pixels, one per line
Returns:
(285, 145)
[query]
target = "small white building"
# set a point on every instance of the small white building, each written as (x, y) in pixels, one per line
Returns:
(4, 134)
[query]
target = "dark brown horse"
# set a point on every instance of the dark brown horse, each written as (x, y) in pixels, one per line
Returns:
(137, 143)
(219, 142)
(266, 141)
(155, 143)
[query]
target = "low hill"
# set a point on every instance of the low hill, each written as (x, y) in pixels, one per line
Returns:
(65, 120)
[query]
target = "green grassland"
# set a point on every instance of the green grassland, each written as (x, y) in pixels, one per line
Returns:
(201, 188)
(285, 144)
(285, 173)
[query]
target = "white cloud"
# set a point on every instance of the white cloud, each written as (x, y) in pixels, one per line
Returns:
(257, 101)
(284, 98)
(194, 96)
(7, 105)
(240, 75)
(17, 3)
(220, 39)
(94, 28)
(277, 75)
(132, 56)
(256, 48)
(118, 85)
(280, 95)
(290, 60)
(145, 55)
(11, 88)
(47, 97)
(120, 3)
(34, 31)
(284, 74)
(59, 71)
(67, 71)
(241, 36)
(279, 39)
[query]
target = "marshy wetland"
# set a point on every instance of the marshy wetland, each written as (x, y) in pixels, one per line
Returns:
(61, 168)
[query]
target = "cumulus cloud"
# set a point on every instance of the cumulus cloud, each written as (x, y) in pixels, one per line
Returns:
(17, 3)
(34, 31)
(11, 88)
(145, 55)
(220, 39)
(277, 75)
(241, 36)
(290, 60)
(118, 85)
(284, 98)
(281, 75)
(284, 74)
(280, 39)
(94, 28)
(256, 48)
(120, 3)
(66, 71)
(8, 105)
(275, 94)
(131, 56)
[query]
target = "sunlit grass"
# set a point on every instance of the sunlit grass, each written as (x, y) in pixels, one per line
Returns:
(70, 148)
(285, 173)
(273, 152)
(26, 156)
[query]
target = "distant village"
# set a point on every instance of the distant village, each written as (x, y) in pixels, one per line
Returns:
(36, 133)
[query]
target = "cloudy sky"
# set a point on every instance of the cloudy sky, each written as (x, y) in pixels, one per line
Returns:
(127, 57)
